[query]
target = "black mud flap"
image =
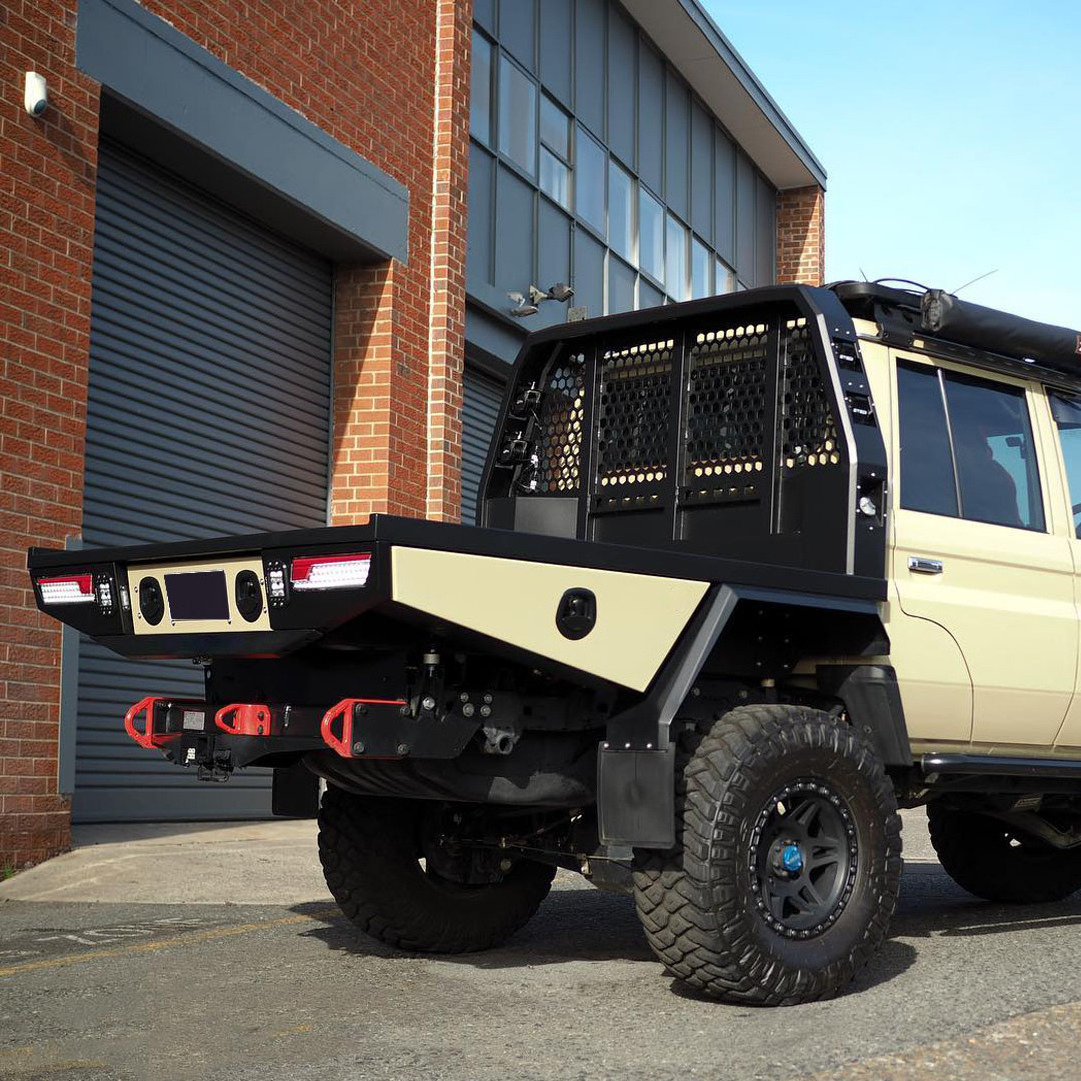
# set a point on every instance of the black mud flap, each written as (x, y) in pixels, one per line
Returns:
(635, 791)
(294, 792)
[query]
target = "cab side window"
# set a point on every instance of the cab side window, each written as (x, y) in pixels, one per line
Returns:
(966, 449)
(1067, 414)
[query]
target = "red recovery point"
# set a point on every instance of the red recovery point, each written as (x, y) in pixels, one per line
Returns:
(146, 737)
(244, 719)
(343, 744)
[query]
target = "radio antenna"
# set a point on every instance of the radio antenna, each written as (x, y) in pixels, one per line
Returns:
(974, 280)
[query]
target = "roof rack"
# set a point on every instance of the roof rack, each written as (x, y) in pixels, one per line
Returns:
(906, 314)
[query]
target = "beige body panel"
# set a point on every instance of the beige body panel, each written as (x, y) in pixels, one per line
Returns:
(1010, 606)
(987, 650)
(235, 622)
(934, 681)
(639, 617)
(1068, 736)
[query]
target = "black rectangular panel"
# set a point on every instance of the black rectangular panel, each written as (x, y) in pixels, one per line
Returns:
(197, 595)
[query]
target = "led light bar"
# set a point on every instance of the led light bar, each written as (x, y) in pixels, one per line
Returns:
(330, 572)
(69, 589)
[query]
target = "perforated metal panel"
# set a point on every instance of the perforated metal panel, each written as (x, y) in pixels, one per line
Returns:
(559, 447)
(727, 411)
(808, 428)
(633, 424)
(208, 414)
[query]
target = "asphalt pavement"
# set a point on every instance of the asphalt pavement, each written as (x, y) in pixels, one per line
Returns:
(215, 952)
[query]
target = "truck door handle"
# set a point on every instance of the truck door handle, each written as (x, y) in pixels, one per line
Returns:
(924, 566)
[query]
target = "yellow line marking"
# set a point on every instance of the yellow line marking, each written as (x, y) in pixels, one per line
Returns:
(17, 1051)
(72, 1064)
(296, 1030)
(162, 944)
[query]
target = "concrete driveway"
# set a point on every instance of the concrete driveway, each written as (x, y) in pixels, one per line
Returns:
(215, 952)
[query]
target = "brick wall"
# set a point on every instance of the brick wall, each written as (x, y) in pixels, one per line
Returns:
(47, 173)
(801, 236)
(389, 79)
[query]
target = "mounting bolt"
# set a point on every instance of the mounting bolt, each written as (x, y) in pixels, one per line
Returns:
(463, 697)
(505, 865)
(488, 699)
(358, 747)
(486, 711)
(403, 748)
(468, 709)
(428, 702)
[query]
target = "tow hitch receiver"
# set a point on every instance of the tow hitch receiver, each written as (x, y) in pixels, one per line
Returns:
(165, 720)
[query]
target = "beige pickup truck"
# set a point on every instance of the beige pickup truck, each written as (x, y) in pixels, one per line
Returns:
(752, 572)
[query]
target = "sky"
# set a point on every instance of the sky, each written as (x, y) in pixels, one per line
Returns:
(950, 132)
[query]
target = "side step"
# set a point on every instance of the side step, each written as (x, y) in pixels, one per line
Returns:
(935, 766)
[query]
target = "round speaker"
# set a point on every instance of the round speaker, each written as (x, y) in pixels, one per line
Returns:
(249, 597)
(151, 602)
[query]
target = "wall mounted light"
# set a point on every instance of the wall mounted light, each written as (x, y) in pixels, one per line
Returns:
(560, 292)
(521, 308)
(35, 94)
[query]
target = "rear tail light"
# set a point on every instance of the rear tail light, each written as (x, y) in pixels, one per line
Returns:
(67, 589)
(330, 572)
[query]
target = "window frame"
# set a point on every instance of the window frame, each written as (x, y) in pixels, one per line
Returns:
(505, 62)
(563, 158)
(1072, 400)
(1016, 387)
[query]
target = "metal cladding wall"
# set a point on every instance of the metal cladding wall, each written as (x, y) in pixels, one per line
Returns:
(481, 399)
(208, 414)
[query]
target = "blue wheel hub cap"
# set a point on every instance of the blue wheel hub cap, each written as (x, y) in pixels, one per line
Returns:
(792, 859)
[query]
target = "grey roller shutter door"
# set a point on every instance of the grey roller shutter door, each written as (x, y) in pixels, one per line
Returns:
(208, 414)
(481, 399)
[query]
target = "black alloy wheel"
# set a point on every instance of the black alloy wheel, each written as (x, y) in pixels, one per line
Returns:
(805, 851)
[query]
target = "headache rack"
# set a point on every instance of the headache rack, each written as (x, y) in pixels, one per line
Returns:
(739, 426)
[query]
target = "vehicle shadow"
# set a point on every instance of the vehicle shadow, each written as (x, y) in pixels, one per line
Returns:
(582, 924)
(574, 924)
(932, 905)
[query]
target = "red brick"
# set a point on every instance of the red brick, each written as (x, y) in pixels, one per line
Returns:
(801, 237)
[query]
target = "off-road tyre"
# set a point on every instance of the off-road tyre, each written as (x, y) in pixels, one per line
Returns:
(370, 851)
(709, 906)
(990, 860)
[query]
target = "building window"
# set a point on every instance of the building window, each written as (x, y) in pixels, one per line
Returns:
(650, 235)
(675, 263)
(555, 152)
(724, 278)
(591, 161)
(701, 264)
(550, 147)
(480, 102)
(517, 116)
(621, 212)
